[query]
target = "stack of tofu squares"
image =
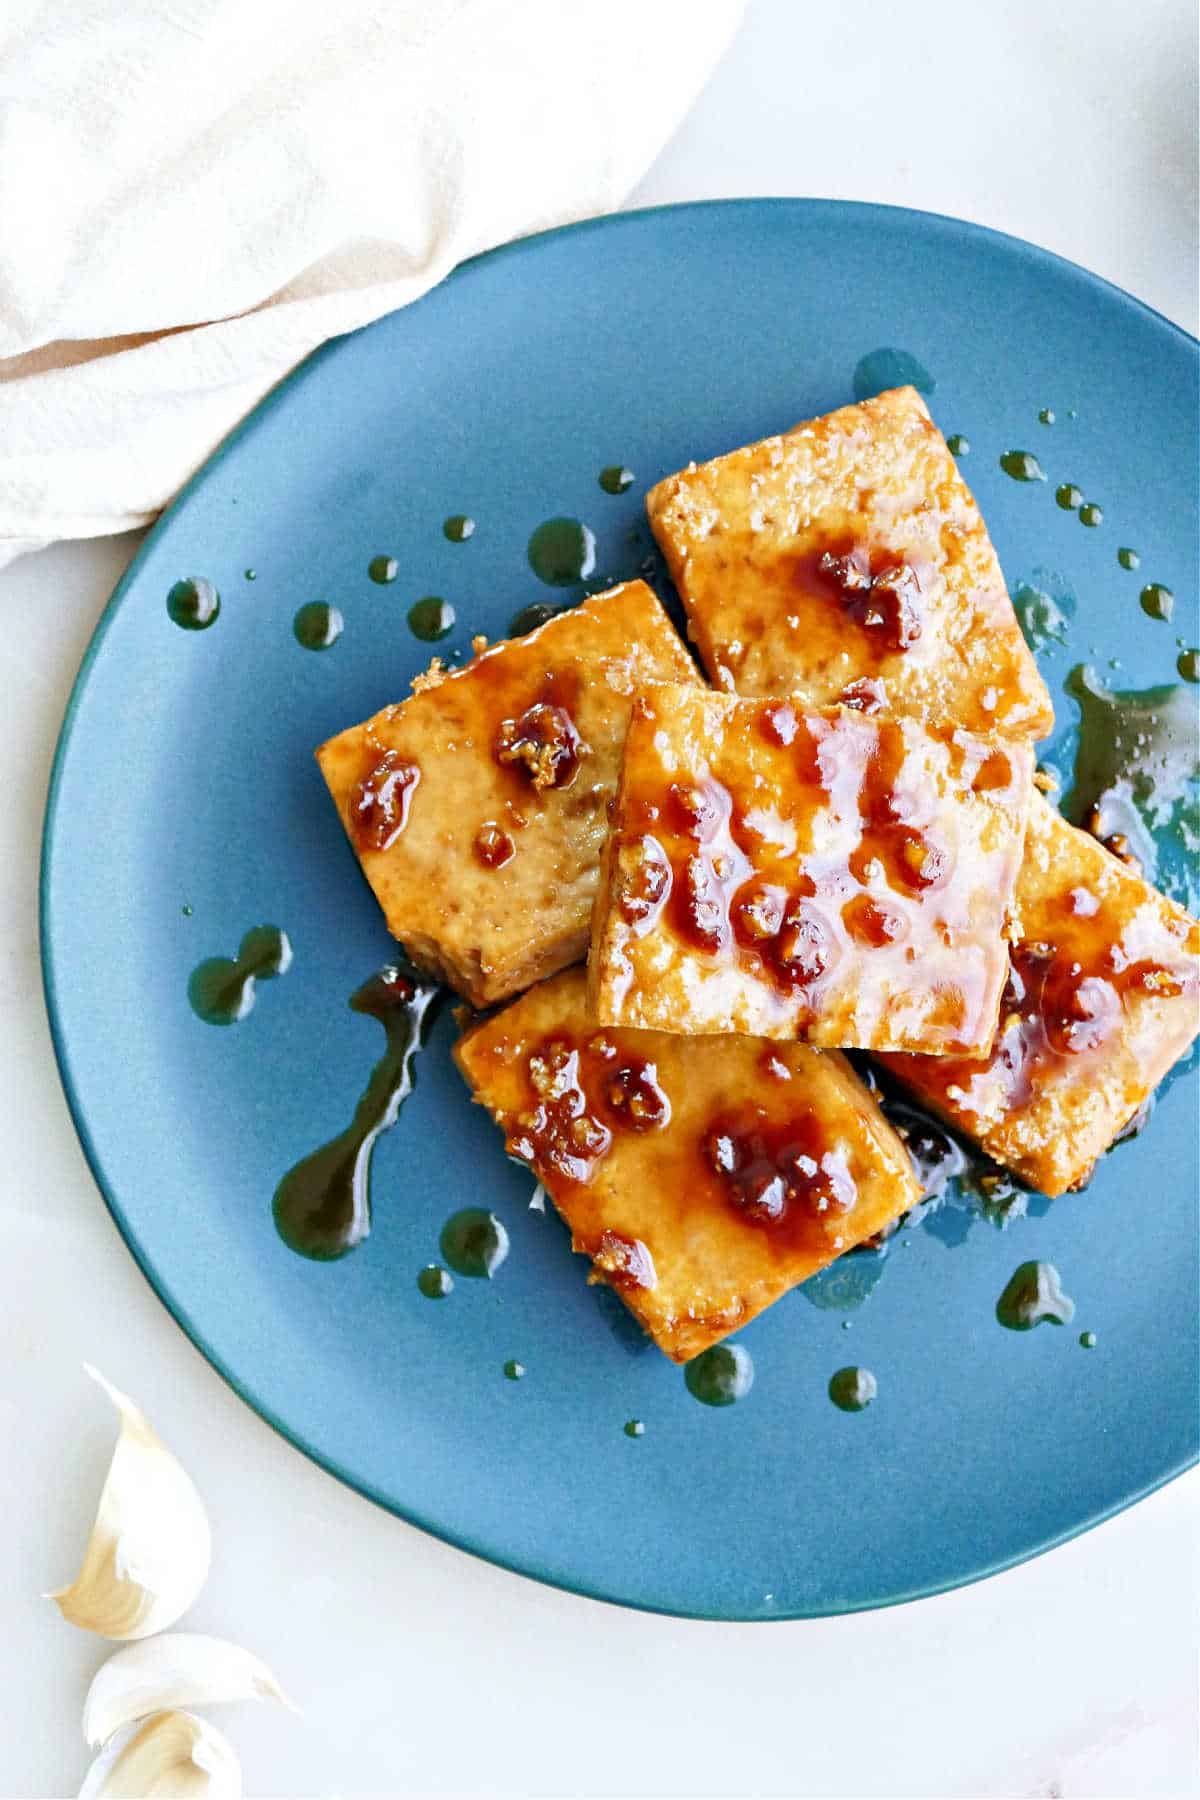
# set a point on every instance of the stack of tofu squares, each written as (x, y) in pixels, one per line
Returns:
(672, 904)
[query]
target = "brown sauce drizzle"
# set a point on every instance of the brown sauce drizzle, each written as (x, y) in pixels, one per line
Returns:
(880, 593)
(864, 695)
(493, 847)
(775, 1170)
(645, 882)
(779, 724)
(872, 924)
(702, 855)
(993, 773)
(701, 906)
(912, 861)
(544, 743)
(380, 801)
(1058, 1005)
(805, 948)
(632, 1093)
(626, 1262)
(789, 1177)
(582, 1093)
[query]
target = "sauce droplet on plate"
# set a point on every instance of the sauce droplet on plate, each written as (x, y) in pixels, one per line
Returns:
(530, 617)
(616, 478)
(1157, 601)
(1033, 1296)
(1128, 559)
(1068, 496)
(720, 1376)
(316, 626)
(853, 1389)
(888, 368)
(193, 604)
(958, 445)
(514, 1370)
(1044, 616)
(1022, 465)
(474, 1243)
(1091, 514)
(458, 528)
(562, 552)
(383, 569)
(431, 618)
(634, 1428)
(435, 1282)
(222, 988)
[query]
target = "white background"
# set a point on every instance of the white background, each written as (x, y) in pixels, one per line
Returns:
(419, 1669)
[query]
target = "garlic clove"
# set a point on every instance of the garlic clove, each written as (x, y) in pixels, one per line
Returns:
(177, 1669)
(150, 1546)
(169, 1756)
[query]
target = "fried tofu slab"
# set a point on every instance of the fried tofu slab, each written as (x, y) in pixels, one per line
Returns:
(478, 807)
(826, 875)
(846, 560)
(703, 1177)
(1104, 996)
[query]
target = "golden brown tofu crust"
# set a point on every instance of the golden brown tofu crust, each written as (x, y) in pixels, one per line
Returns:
(822, 875)
(703, 1177)
(478, 806)
(848, 559)
(1104, 997)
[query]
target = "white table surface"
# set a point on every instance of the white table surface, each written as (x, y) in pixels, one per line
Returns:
(420, 1669)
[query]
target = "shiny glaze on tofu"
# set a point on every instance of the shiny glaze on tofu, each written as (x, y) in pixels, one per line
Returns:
(1103, 997)
(703, 1177)
(825, 875)
(846, 561)
(478, 806)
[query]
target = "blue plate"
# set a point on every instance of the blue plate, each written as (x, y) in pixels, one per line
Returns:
(185, 807)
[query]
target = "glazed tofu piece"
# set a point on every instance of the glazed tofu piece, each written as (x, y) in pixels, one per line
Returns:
(703, 1177)
(478, 807)
(1103, 998)
(847, 561)
(825, 875)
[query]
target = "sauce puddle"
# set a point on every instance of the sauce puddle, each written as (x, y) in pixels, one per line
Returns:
(322, 1206)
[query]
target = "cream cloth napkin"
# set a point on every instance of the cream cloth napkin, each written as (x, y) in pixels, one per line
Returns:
(196, 193)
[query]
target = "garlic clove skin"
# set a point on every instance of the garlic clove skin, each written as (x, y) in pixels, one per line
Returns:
(177, 1669)
(150, 1546)
(169, 1756)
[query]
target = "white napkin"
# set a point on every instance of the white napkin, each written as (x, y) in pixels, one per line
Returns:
(195, 193)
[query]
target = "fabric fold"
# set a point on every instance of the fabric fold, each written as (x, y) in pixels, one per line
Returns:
(195, 196)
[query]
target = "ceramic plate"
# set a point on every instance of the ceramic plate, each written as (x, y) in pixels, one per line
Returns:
(186, 808)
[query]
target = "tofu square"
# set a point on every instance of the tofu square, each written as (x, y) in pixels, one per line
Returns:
(828, 875)
(846, 560)
(478, 807)
(703, 1177)
(1103, 998)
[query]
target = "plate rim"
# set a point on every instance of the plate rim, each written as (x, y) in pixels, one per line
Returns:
(802, 207)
